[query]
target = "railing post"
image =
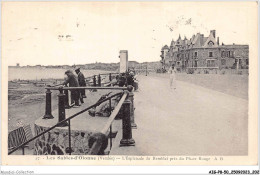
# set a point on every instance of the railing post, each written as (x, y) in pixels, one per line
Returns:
(110, 77)
(110, 130)
(48, 114)
(66, 92)
(127, 139)
(99, 80)
(94, 81)
(131, 98)
(61, 101)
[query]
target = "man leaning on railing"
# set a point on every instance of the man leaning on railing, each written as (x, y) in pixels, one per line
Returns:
(73, 82)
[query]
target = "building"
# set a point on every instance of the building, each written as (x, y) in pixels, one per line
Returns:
(204, 52)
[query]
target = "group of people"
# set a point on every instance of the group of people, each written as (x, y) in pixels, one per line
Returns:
(125, 79)
(73, 81)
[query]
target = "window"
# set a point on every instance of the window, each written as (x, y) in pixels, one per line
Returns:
(247, 62)
(195, 54)
(223, 62)
(196, 64)
(240, 61)
(210, 63)
(210, 54)
(228, 54)
(231, 54)
(223, 54)
(210, 43)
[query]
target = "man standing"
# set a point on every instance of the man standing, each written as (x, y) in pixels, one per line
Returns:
(82, 83)
(73, 82)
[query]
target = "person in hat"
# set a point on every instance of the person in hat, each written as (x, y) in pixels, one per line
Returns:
(121, 80)
(73, 82)
(130, 78)
(82, 83)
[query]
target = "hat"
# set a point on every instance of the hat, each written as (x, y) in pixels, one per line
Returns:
(77, 68)
(68, 71)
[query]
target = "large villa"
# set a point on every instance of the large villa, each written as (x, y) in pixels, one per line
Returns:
(201, 51)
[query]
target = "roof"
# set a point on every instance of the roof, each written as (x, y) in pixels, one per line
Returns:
(179, 37)
(205, 39)
(172, 43)
(198, 41)
(165, 47)
(212, 39)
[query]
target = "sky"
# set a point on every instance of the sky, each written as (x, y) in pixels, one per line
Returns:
(67, 33)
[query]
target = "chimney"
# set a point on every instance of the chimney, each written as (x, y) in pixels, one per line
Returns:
(201, 39)
(213, 33)
(218, 40)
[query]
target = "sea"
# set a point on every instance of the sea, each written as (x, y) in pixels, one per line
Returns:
(25, 73)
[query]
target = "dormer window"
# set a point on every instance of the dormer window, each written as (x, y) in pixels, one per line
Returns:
(210, 43)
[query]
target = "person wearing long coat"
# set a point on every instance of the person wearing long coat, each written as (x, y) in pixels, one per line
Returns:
(172, 72)
(73, 82)
(82, 83)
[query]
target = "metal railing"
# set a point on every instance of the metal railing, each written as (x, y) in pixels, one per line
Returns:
(63, 122)
(96, 79)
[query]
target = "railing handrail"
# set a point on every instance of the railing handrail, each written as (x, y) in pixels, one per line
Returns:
(91, 88)
(109, 73)
(65, 120)
(101, 74)
(114, 114)
(98, 143)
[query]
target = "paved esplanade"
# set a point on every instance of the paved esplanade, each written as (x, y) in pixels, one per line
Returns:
(189, 121)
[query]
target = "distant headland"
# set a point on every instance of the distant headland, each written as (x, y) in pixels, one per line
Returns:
(97, 66)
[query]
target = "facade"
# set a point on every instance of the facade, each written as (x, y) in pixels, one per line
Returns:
(204, 52)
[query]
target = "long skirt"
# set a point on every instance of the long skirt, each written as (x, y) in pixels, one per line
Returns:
(172, 82)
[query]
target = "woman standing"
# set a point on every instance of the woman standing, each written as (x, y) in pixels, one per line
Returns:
(172, 72)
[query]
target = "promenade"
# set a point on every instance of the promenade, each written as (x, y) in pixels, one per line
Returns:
(191, 120)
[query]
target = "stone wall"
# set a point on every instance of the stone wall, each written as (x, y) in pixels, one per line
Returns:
(56, 142)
